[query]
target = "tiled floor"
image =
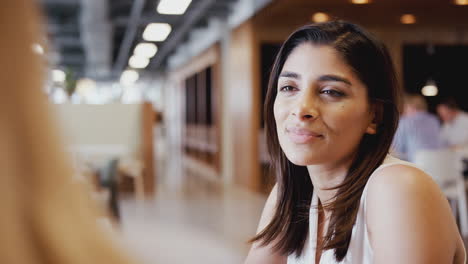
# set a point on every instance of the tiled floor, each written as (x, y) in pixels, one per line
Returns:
(202, 224)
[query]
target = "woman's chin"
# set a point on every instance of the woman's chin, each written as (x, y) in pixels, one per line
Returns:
(300, 160)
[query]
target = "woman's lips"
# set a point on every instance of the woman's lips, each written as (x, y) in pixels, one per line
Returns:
(301, 136)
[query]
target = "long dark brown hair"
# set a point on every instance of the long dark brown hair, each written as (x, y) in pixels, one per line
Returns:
(370, 61)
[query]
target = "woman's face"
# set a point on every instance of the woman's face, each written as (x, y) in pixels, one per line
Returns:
(321, 107)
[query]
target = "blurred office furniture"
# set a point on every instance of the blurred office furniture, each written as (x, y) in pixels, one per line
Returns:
(99, 134)
(102, 185)
(108, 179)
(462, 154)
(445, 167)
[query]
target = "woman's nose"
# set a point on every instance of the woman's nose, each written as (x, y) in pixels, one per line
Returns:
(305, 109)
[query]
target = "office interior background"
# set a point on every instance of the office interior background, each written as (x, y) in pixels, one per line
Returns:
(160, 103)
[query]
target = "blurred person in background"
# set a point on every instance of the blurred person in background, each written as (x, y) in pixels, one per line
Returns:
(46, 215)
(417, 130)
(455, 124)
(331, 112)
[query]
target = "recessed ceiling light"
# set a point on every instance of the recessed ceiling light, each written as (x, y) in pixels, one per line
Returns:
(129, 77)
(173, 7)
(138, 62)
(408, 19)
(147, 50)
(461, 2)
(360, 2)
(320, 17)
(156, 31)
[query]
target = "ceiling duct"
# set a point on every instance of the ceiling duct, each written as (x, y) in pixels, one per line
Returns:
(96, 35)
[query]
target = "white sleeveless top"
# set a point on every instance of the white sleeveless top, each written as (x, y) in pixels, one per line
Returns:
(360, 250)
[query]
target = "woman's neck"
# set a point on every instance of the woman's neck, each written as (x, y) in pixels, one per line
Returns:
(324, 177)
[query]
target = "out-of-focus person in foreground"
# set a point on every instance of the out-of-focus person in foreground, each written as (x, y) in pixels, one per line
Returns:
(46, 215)
(331, 112)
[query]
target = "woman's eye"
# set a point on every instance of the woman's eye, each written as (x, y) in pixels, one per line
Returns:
(333, 93)
(287, 88)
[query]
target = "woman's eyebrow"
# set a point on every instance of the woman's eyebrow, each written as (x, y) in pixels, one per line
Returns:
(335, 78)
(290, 75)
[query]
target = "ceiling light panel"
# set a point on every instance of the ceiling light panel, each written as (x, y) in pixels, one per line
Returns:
(156, 32)
(173, 7)
(129, 77)
(147, 50)
(138, 62)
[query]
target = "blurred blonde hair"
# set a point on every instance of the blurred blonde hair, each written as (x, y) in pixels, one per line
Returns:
(415, 100)
(46, 216)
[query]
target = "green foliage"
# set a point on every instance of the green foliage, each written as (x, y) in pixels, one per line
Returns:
(70, 82)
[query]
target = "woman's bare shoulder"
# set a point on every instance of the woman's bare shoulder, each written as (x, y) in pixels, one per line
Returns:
(408, 217)
(399, 174)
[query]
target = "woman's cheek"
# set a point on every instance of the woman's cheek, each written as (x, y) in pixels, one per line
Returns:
(279, 111)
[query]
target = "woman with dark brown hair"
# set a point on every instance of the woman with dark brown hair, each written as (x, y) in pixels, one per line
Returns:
(331, 112)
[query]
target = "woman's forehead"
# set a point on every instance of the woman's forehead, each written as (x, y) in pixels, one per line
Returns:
(307, 60)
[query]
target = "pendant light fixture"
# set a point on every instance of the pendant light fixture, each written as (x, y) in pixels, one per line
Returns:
(430, 88)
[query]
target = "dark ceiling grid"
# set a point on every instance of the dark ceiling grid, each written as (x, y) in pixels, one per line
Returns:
(193, 15)
(129, 36)
(63, 27)
(197, 15)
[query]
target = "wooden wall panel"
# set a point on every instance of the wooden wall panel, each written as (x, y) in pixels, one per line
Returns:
(195, 70)
(244, 93)
(149, 174)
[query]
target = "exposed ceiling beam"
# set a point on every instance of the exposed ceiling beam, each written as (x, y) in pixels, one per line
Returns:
(218, 12)
(60, 2)
(146, 18)
(218, 29)
(67, 41)
(96, 36)
(70, 59)
(223, 4)
(129, 36)
(55, 29)
(198, 12)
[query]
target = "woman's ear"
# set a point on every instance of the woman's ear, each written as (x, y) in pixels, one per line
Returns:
(377, 112)
(372, 128)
